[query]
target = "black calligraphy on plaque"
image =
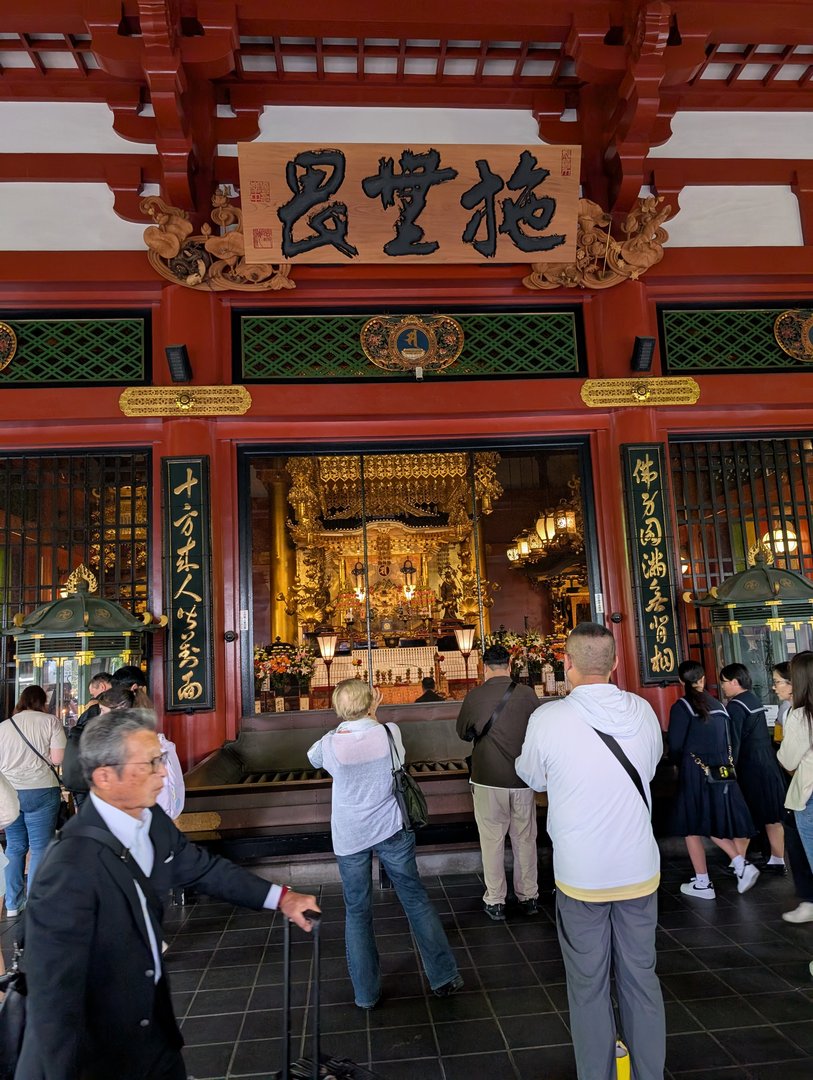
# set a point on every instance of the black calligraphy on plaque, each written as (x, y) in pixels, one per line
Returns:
(314, 176)
(190, 661)
(650, 547)
(419, 173)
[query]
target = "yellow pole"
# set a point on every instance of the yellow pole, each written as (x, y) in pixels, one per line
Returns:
(282, 556)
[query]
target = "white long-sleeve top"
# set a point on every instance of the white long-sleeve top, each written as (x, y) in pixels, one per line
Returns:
(796, 756)
(603, 844)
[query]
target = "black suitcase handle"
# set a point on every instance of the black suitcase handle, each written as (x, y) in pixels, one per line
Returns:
(315, 919)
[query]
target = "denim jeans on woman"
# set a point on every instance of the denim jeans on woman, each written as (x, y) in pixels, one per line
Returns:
(804, 823)
(34, 830)
(397, 856)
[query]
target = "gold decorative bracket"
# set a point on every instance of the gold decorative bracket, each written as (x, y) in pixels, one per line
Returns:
(602, 260)
(205, 261)
(185, 401)
(619, 393)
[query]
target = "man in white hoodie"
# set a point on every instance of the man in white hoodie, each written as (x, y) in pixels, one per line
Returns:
(605, 859)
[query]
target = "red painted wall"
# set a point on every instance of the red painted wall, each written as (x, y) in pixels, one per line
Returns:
(374, 414)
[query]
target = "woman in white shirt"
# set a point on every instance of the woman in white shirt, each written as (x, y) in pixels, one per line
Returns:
(30, 743)
(364, 819)
(796, 750)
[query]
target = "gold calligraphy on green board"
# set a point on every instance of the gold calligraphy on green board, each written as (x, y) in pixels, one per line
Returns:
(190, 660)
(650, 551)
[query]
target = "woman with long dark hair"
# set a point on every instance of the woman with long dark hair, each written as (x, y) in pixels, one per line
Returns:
(758, 772)
(796, 751)
(30, 742)
(698, 744)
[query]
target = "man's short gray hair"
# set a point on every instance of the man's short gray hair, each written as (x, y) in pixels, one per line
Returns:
(591, 648)
(104, 740)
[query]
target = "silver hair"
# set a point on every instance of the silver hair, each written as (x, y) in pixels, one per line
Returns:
(104, 740)
(352, 699)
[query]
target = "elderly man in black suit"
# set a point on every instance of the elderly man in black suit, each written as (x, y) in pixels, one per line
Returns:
(98, 1000)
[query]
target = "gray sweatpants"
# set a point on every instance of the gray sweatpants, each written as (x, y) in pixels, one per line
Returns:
(594, 937)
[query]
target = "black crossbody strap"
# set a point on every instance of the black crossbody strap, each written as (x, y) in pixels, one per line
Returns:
(625, 762)
(393, 756)
(500, 706)
(36, 751)
(102, 836)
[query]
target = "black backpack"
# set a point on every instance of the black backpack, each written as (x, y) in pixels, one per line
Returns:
(72, 775)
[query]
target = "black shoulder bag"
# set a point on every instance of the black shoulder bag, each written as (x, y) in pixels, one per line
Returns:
(66, 804)
(474, 737)
(12, 1016)
(407, 792)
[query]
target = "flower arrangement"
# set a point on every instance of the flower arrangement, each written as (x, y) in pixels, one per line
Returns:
(261, 666)
(287, 666)
(530, 651)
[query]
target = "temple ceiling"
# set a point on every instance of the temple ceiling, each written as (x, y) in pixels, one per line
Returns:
(186, 80)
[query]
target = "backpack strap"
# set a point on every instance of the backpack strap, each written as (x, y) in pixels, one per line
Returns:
(108, 840)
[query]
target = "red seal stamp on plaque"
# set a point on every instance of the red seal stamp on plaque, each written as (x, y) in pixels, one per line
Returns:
(259, 192)
(262, 238)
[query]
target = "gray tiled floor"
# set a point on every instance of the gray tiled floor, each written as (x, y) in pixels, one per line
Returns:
(735, 976)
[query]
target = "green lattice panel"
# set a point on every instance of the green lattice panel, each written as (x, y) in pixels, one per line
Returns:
(722, 340)
(77, 350)
(507, 344)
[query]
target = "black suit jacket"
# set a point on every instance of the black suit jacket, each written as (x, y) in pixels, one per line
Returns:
(88, 960)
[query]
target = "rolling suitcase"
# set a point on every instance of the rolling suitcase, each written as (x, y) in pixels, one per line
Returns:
(318, 1066)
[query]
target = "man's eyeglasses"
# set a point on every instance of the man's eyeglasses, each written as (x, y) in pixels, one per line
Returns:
(780, 682)
(154, 764)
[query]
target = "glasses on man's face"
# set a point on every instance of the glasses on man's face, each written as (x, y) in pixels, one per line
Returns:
(154, 763)
(780, 682)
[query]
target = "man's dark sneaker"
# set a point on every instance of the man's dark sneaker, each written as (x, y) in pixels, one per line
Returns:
(495, 911)
(449, 988)
(529, 907)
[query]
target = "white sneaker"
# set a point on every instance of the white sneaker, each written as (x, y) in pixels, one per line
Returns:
(802, 913)
(748, 878)
(701, 892)
(12, 913)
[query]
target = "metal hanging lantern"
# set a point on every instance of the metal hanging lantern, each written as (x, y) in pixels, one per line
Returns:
(64, 643)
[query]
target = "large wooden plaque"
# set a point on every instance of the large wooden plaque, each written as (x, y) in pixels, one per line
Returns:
(188, 583)
(385, 204)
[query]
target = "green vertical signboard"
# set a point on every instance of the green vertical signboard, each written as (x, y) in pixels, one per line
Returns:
(188, 578)
(650, 548)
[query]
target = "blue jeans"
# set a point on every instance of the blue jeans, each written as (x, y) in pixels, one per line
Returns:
(33, 829)
(397, 856)
(804, 823)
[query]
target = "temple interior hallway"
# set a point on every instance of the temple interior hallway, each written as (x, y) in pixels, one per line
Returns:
(739, 997)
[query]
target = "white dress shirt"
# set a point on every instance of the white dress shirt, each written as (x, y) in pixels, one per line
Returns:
(134, 834)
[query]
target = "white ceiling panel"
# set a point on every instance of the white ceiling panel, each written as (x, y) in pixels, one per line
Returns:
(739, 135)
(63, 127)
(736, 217)
(301, 124)
(65, 217)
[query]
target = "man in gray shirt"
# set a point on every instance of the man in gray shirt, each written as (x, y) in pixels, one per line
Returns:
(502, 802)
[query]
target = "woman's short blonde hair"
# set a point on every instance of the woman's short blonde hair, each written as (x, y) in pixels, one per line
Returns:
(352, 699)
